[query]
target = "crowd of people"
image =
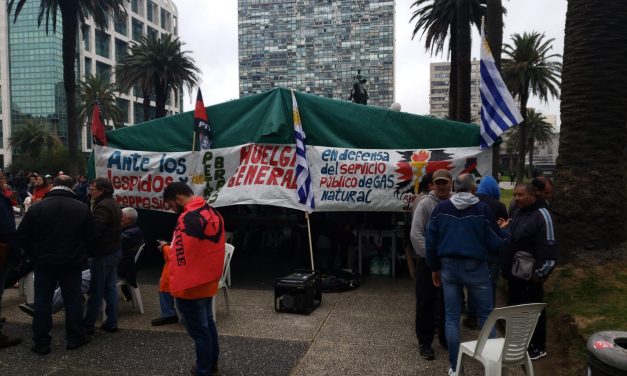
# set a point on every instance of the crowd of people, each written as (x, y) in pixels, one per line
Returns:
(464, 239)
(78, 241)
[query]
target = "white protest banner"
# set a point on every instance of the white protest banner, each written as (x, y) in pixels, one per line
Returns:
(343, 179)
(383, 180)
(139, 177)
(251, 174)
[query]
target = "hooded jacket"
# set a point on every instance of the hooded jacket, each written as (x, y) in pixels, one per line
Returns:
(461, 227)
(195, 260)
(57, 231)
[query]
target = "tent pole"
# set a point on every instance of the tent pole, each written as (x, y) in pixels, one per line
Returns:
(310, 242)
(194, 141)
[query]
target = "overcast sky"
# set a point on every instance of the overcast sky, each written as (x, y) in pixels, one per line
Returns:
(209, 29)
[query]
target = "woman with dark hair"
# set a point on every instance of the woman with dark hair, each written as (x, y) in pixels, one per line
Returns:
(41, 188)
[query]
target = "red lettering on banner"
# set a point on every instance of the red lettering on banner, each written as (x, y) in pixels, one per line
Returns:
(141, 183)
(251, 171)
(262, 175)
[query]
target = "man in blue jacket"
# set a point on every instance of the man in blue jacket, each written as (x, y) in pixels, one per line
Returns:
(461, 232)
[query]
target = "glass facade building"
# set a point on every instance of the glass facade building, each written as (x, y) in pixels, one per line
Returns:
(317, 46)
(36, 72)
(31, 65)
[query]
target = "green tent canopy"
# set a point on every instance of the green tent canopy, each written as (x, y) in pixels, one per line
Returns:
(267, 118)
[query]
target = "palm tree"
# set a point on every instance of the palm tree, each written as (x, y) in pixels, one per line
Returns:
(590, 196)
(436, 20)
(95, 87)
(539, 132)
(158, 64)
(33, 138)
(72, 13)
(529, 68)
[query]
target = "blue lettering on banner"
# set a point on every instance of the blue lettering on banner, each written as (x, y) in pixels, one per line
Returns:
(132, 162)
(347, 196)
(331, 155)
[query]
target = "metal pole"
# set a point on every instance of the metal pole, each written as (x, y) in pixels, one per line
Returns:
(310, 242)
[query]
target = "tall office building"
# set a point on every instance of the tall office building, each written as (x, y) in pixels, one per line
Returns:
(439, 86)
(317, 47)
(31, 65)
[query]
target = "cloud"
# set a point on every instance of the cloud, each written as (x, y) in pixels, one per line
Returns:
(209, 29)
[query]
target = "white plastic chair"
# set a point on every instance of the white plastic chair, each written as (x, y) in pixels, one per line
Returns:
(222, 285)
(496, 353)
(26, 287)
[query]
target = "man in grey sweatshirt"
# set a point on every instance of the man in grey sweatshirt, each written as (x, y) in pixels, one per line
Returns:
(427, 302)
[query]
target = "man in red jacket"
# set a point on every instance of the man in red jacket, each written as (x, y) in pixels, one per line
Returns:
(193, 267)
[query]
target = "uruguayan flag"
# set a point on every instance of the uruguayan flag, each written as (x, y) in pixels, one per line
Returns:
(498, 109)
(303, 178)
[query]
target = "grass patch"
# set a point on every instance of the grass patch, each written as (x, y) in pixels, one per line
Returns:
(583, 299)
(593, 295)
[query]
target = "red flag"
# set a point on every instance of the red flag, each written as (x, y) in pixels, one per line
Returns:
(201, 124)
(97, 126)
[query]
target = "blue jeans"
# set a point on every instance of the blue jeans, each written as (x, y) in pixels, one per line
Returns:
(104, 278)
(458, 273)
(45, 284)
(198, 320)
(166, 304)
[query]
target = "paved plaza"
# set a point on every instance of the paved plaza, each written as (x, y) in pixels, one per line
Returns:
(367, 331)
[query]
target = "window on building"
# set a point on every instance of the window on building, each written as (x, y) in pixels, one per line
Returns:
(165, 19)
(137, 6)
(103, 42)
(123, 106)
(153, 12)
(87, 66)
(138, 30)
(121, 25)
(86, 33)
(152, 33)
(121, 49)
(103, 70)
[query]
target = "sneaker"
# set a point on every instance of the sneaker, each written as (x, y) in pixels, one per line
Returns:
(426, 352)
(215, 370)
(451, 372)
(78, 343)
(165, 321)
(108, 328)
(535, 354)
(40, 349)
(6, 341)
(27, 308)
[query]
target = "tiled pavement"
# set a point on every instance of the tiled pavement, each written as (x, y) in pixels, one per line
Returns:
(368, 331)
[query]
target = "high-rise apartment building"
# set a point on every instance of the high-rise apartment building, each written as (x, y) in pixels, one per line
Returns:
(31, 65)
(317, 47)
(439, 74)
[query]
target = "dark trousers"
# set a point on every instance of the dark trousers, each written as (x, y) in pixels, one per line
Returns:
(523, 292)
(198, 319)
(429, 305)
(45, 283)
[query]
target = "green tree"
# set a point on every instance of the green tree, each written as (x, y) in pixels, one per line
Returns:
(158, 64)
(436, 20)
(96, 87)
(590, 192)
(494, 31)
(33, 138)
(72, 13)
(539, 132)
(530, 69)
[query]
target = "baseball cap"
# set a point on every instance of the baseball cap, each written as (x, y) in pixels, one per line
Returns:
(442, 174)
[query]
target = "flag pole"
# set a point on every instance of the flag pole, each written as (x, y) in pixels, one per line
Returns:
(310, 242)
(194, 141)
